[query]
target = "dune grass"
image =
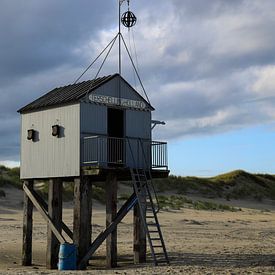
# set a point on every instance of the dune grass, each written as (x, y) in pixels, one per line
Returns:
(233, 185)
(179, 202)
(10, 176)
(98, 191)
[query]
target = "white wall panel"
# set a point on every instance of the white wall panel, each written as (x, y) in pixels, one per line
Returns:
(50, 156)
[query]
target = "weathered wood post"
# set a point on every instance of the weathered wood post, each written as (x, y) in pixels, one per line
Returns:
(82, 215)
(139, 237)
(111, 211)
(55, 213)
(27, 227)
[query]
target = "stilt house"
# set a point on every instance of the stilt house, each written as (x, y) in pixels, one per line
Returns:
(87, 124)
(98, 130)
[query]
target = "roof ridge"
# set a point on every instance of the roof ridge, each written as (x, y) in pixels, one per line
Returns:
(84, 81)
(72, 93)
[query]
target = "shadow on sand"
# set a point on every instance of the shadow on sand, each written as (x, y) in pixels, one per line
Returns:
(192, 259)
(222, 259)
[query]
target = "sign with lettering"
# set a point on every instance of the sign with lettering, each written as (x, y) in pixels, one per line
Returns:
(110, 100)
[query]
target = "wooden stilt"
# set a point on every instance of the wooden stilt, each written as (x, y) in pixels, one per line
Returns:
(27, 227)
(139, 235)
(55, 213)
(82, 216)
(111, 211)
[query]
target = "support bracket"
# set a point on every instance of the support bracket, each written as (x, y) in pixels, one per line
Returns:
(44, 214)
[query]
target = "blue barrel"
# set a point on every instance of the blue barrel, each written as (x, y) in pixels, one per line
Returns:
(67, 257)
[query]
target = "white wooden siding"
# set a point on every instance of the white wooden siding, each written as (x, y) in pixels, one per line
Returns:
(51, 156)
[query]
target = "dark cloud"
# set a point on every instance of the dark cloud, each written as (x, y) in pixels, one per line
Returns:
(37, 38)
(208, 66)
(41, 35)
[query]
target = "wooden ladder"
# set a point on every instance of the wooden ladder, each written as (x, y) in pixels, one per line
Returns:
(150, 221)
(149, 207)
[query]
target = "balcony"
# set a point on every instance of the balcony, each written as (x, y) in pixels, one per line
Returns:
(105, 152)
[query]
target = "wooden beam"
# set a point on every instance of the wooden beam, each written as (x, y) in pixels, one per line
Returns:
(82, 216)
(139, 237)
(127, 206)
(44, 214)
(111, 212)
(65, 228)
(55, 213)
(27, 227)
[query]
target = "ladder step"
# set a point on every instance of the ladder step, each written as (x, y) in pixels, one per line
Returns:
(142, 183)
(151, 224)
(155, 239)
(138, 177)
(160, 254)
(157, 246)
(153, 231)
(162, 262)
(150, 217)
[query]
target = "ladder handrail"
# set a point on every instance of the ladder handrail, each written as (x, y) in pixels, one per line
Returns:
(150, 175)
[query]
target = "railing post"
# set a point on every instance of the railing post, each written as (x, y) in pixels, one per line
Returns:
(138, 163)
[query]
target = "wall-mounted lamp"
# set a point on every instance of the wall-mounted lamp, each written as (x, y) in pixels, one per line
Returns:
(56, 130)
(31, 134)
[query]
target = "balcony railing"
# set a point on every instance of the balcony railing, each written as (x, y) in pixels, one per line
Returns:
(106, 151)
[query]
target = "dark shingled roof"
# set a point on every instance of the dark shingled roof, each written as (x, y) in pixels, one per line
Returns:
(67, 94)
(70, 94)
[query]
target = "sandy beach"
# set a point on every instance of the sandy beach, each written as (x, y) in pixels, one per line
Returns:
(198, 242)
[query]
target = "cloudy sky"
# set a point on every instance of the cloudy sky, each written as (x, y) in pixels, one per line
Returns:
(207, 66)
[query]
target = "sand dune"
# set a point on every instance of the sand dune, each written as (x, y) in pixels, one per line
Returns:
(198, 242)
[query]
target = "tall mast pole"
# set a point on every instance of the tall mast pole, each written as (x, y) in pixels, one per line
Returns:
(119, 36)
(120, 2)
